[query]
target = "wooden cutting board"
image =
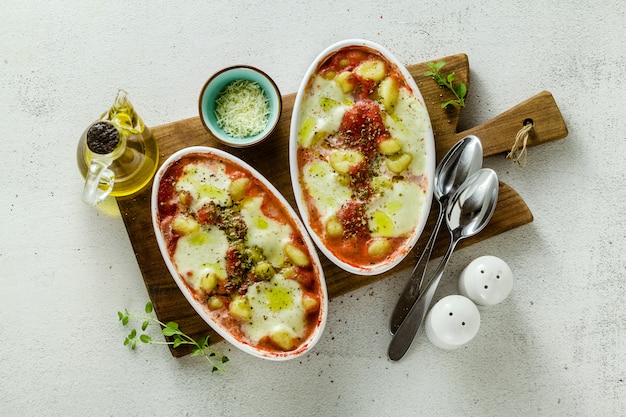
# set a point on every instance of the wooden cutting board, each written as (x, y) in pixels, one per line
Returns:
(271, 159)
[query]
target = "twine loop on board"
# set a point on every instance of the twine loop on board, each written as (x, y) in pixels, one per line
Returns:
(521, 140)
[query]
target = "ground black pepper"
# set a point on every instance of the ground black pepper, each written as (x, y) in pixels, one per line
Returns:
(102, 138)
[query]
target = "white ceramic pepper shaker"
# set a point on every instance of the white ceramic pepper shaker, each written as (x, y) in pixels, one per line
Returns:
(486, 281)
(452, 322)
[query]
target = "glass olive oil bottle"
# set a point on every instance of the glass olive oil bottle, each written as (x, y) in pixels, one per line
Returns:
(116, 167)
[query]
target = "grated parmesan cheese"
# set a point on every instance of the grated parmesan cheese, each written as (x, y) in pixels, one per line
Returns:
(242, 109)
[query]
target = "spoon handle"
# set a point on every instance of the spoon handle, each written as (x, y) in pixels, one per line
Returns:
(412, 289)
(407, 330)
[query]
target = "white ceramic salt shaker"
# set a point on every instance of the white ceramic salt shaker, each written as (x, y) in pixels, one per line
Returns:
(452, 322)
(487, 280)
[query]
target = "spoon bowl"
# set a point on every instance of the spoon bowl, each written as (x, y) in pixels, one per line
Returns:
(461, 161)
(469, 211)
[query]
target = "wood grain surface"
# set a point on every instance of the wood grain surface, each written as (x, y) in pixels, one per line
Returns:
(271, 159)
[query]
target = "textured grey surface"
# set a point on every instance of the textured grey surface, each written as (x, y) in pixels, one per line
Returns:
(555, 347)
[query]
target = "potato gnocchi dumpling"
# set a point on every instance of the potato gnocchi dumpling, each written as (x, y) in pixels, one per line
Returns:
(185, 225)
(379, 248)
(389, 146)
(343, 161)
(237, 188)
(371, 69)
(388, 93)
(334, 228)
(397, 164)
(346, 81)
(240, 308)
(296, 255)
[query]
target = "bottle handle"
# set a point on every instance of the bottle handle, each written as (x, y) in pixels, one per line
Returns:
(99, 182)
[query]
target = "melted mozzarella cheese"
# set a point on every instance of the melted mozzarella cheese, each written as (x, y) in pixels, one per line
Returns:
(323, 184)
(276, 306)
(396, 212)
(206, 183)
(325, 107)
(408, 125)
(264, 232)
(201, 253)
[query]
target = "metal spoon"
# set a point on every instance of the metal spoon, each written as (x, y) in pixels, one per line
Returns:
(469, 211)
(461, 161)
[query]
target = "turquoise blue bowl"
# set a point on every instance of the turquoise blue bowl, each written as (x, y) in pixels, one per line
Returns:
(217, 82)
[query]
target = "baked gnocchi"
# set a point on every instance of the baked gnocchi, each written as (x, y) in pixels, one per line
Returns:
(362, 157)
(239, 254)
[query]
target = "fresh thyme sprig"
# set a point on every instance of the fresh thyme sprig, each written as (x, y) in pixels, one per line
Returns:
(459, 89)
(201, 346)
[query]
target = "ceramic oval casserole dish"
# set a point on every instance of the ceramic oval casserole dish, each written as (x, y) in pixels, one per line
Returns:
(362, 157)
(239, 253)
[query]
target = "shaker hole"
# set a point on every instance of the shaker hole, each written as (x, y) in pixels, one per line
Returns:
(486, 286)
(450, 313)
(482, 271)
(462, 323)
(497, 276)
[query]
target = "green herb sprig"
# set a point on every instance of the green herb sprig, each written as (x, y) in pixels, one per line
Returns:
(201, 346)
(459, 89)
